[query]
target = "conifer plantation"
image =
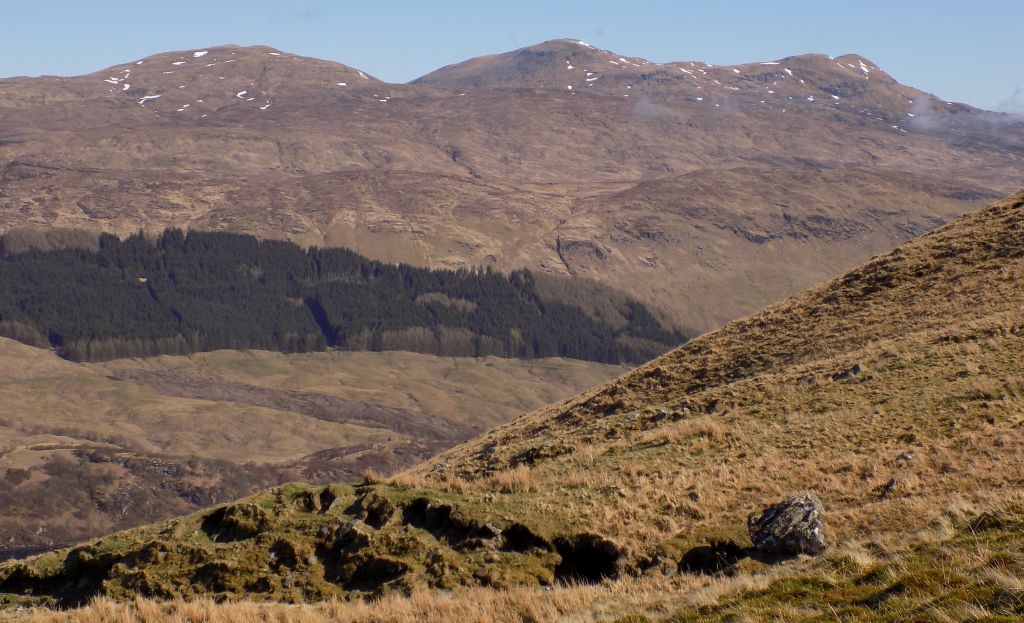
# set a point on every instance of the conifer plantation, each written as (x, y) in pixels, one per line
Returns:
(200, 291)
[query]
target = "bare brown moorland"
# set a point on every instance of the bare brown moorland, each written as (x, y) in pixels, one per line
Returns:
(709, 191)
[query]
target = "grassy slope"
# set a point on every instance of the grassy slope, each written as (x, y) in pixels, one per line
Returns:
(752, 412)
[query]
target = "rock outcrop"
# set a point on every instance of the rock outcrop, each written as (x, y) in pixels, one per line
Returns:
(789, 528)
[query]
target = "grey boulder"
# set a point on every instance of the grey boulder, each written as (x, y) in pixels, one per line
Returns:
(789, 528)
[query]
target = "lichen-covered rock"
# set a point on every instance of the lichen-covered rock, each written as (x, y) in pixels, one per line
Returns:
(789, 528)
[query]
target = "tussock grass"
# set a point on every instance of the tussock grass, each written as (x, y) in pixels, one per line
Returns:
(605, 602)
(974, 573)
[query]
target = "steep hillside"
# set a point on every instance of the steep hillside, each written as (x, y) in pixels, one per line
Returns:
(894, 393)
(491, 162)
(90, 448)
(914, 353)
(731, 241)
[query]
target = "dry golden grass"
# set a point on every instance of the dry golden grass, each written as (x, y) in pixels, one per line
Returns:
(579, 604)
(754, 413)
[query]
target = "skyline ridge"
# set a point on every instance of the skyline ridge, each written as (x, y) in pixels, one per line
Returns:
(418, 80)
(940, 50)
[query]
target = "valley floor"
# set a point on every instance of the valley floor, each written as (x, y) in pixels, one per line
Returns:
(90, 448)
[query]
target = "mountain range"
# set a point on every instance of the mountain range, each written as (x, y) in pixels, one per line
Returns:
(705, 190)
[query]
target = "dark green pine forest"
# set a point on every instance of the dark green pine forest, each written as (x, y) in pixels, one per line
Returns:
(199, 291)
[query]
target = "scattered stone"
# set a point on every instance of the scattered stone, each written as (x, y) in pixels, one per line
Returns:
(789, 528)
(887, 488)
(906, 457)
(847, 374)
(440, 467)
(807, 379)
(659, 416)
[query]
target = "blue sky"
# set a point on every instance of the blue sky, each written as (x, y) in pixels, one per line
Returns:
(965, 51)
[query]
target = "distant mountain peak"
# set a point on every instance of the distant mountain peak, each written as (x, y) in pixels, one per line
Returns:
(540, 65)
(199, 82)
(850, 82)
